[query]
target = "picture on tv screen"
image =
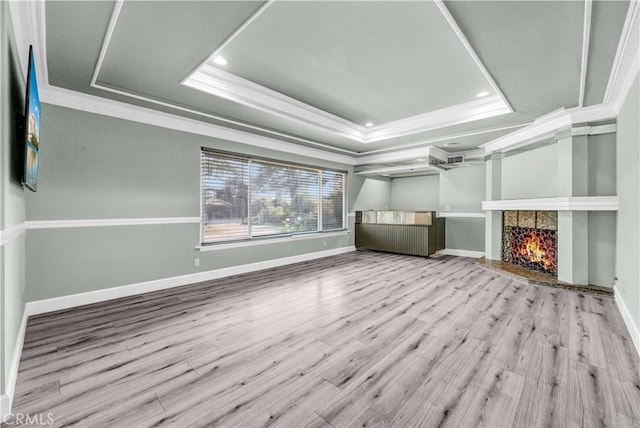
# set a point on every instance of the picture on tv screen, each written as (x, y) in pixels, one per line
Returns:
(32, 127)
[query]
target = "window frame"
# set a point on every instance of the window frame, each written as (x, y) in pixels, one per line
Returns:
(279, 236)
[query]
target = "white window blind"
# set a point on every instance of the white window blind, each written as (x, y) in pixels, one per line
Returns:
(245, 198)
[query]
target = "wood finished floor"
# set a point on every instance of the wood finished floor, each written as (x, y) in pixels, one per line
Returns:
(362, 339)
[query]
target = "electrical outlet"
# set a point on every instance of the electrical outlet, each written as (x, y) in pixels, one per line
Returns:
(447, 208)
(324, 243)
(196, 262)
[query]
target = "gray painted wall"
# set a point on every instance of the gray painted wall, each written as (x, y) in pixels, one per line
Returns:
(602, 225)
(465, 234)
(531, 174)
(12, 255)
(415, 193)
(371, 193)
(602, 165)
(463, 189)
(628, 187)
(97, 167)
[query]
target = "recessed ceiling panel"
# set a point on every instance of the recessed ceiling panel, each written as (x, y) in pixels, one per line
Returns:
(362, 61)
(532, 48)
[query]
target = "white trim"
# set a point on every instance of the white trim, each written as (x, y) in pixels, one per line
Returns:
(65, 302)
(546, 126)
(633, 329)
(460, 253)
(449, 116)
(419, 167)
(112, 108)
(586, 33)
(11, 233)
(117, 8)
(215, 81)
(627, 60)
(570, 203)
(231, 37)
(220, 83)
(274, 240)
(456, 29)
(325, 147)
(10, 387)
(28, 18)
(115, 14)
(419, 152)
(5, 408)
(429, 143)
(63, 224)
(461, 215)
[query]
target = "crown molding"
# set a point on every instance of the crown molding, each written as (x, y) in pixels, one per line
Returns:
(115, 14)
(482, 108)
(211, 79)
(215, 81)
(29, 24)
(586, 34)
(418, 167)
(456, 29)
(418, 152)
(627, 60)
(120, 110)
(546, 126)
(232, 36)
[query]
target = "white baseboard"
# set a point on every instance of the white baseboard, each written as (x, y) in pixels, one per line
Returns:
(4, 406)
(73, 300)
(634, 332)
(6, 400)
(461, 253)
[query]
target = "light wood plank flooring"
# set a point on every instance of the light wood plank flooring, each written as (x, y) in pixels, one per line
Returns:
(362, 339)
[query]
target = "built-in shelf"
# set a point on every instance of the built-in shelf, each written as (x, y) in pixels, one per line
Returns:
(462, 215)
(568, 203)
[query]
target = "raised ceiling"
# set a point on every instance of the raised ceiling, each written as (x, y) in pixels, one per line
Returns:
(314, 73)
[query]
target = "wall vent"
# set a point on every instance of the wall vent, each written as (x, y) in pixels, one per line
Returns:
(455, 159)
(594, 130)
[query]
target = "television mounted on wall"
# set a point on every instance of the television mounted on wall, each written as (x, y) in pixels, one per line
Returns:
(31, 127)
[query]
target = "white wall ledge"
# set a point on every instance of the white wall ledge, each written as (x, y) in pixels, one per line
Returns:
(271, 240)
(461, 215)
(567, 203)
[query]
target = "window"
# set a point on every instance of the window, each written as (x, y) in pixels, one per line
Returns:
(245, 198)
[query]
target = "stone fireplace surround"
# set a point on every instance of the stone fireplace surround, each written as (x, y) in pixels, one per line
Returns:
(572, 224)
(529, 240)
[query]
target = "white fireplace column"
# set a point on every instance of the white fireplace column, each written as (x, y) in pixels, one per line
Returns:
(573, 226)
(493, 221)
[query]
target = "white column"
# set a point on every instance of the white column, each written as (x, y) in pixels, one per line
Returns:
(573, 226)
(493, 222)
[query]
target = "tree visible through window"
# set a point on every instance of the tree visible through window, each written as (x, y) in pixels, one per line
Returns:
(244, 198)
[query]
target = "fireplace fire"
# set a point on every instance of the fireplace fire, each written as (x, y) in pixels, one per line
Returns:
(529, 240)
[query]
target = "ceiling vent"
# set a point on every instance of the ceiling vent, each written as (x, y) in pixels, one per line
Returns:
(455, 159)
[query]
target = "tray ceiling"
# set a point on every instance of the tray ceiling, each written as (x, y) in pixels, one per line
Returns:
(316, 72)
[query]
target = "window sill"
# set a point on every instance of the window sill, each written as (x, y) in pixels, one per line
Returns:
(251, 243)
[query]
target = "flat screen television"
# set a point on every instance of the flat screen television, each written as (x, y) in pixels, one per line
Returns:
(31, 127)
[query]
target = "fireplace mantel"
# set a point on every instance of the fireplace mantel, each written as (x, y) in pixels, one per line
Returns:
(573, 203)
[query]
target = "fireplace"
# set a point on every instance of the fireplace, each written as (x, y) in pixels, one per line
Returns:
(529, 240)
